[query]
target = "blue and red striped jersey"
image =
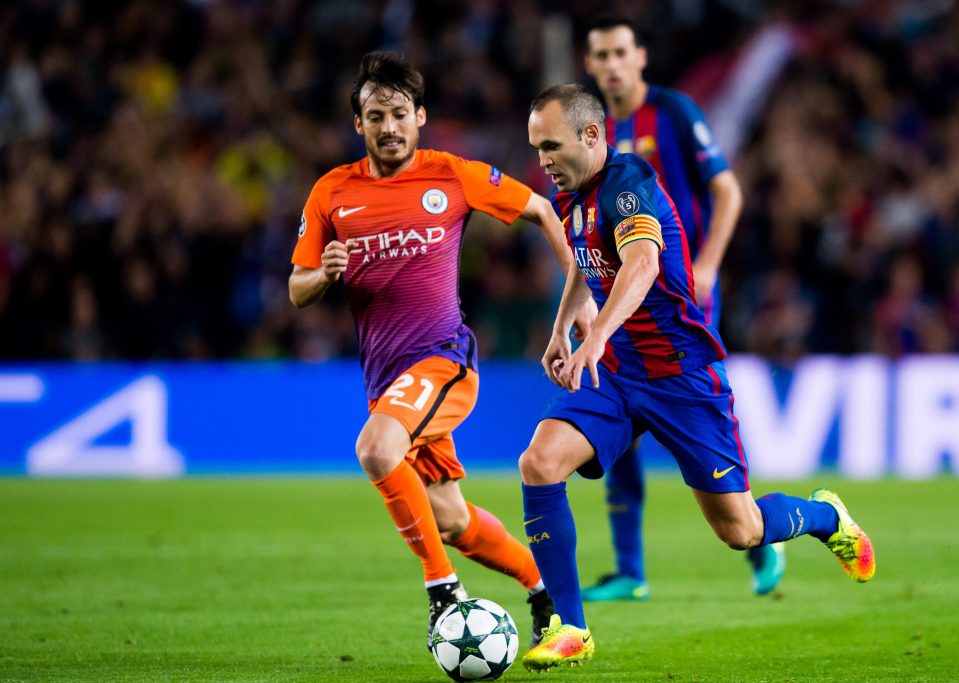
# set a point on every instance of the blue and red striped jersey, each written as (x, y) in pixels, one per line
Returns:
(670, 132)
(668, 333)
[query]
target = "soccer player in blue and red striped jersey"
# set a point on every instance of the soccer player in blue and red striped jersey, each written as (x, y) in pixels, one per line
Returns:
(649, 362)
(669, 131)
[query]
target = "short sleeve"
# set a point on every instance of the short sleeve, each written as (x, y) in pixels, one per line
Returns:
(697, 139)
(489, 190)
(316, 229)
(628, 205)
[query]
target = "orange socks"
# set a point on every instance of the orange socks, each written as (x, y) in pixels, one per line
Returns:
(487, 542)
(409, 506)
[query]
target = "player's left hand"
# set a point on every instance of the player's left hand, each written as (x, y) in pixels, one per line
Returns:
(705, 279)
(586, 356)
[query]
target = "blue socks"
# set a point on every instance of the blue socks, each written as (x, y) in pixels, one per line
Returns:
(625, 494)
(551, 534)
(786, 517)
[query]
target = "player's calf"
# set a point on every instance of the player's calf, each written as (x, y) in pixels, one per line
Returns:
(734, 517)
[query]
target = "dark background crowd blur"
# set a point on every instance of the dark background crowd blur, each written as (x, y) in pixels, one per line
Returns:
(155, 158)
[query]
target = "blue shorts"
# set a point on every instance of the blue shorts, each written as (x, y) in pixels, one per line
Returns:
(690, 414)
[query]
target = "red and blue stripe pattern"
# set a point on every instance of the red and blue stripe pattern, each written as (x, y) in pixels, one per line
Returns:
(669, 131)
(668, 333)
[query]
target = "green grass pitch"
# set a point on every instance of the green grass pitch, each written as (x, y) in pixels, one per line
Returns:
(305, 580)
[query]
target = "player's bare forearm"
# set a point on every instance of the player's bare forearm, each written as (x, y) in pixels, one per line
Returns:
(576, 295)
(540, 212)
(727, 205)
(633, 281)
(307, 285)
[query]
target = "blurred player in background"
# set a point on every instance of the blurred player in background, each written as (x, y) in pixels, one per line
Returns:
(649, 362)
(668, 130)
(391, 226)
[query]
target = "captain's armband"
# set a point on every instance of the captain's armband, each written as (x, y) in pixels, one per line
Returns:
(638, 227)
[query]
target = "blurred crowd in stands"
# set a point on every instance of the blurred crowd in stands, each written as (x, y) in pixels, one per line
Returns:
(155, 158)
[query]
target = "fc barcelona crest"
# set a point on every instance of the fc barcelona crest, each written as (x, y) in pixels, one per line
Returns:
(577, 220)
(590, 219)
(646, 147)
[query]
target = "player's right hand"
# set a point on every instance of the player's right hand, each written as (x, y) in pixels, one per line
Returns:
(335, 258)
(555, 357)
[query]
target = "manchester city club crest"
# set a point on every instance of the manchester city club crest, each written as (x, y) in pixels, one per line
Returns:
(627, 203)
(577, 220)
(435, 201)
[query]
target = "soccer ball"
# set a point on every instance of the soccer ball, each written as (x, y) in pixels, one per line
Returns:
(474, 640)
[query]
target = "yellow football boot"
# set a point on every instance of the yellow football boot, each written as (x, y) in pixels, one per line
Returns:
(561, 644)
(849, 543)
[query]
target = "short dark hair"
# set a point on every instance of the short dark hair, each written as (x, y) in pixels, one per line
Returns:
(608, 22)
(387, 70)
(580, 106)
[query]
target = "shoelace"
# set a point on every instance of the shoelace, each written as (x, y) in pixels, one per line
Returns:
(547, 631)
(845, 547)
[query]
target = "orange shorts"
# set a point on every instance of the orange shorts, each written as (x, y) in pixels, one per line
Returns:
(431, 399)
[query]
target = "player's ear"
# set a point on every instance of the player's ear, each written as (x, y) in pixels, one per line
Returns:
(420, 116)
(643, 57)
(358, 124)
(591, 134)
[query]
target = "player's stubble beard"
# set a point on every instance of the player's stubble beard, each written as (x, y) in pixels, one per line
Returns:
(388, 163)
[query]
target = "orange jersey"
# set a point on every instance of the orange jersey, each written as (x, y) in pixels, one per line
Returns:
(403, 282)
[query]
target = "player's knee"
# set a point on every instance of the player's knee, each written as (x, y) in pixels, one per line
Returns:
(535, 467)
(375, 460)
(739, 536)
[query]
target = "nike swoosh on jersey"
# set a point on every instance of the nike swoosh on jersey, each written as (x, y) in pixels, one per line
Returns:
(343, 213)
(535, 519)
(719, 475)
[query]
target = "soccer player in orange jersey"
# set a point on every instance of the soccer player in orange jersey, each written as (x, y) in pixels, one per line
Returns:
(391, 226)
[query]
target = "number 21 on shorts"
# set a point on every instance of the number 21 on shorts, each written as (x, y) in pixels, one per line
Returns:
(398, 392)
